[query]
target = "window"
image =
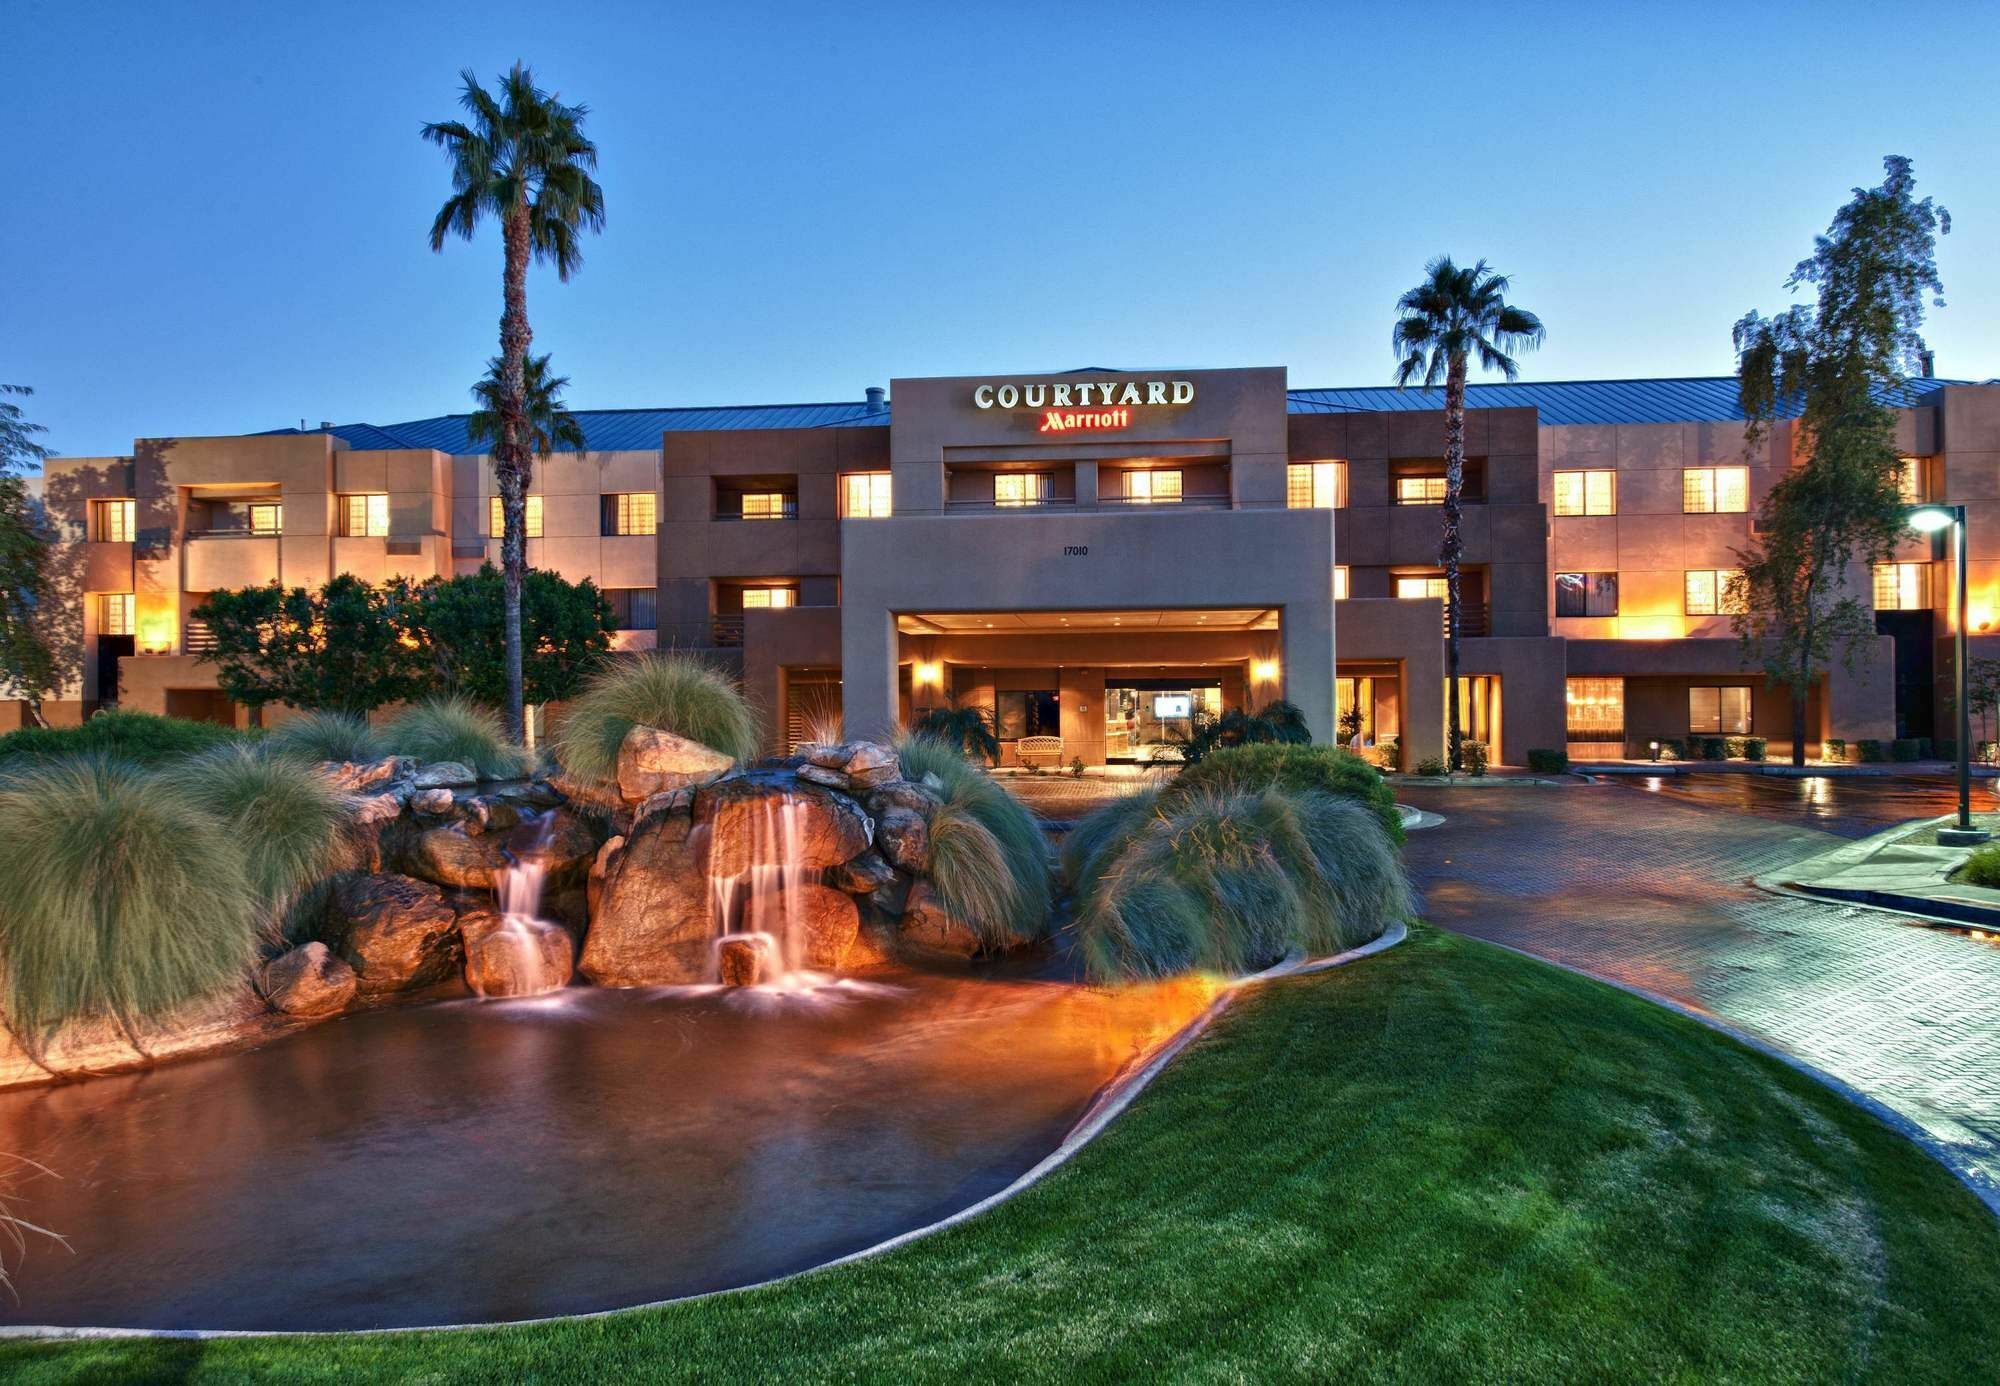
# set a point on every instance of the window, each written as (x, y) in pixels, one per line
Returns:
(1152, 488)
(1595, 709)
(113, 522)
(1715, 592)
(1026, 714)
(1586, 493)
(1340, 582)
(1420, 490)
(1715, 490)
(630, 512)
(1020, 488)
(1417, 588)
(1316, 485)
(497, 522)
(266, 517)
(865, 495)
(115, 613)
(1910, 480)
(1902, 586)
(761, 598)
(367, 517)
(1586, 594)
(634, 608)
(1719, 711)
(764, 505)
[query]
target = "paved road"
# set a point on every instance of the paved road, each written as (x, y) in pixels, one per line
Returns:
(1651, 890)
(1850, 806)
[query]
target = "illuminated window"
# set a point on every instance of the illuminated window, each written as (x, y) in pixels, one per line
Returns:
(1586, 493)
(116, 614)
(1420, 490)
(761, 598)
(865, 495)
(1152, 488)
(1910, 480)
(113, 521)
(630, 512)
(1902, 586)
(1340, 582)
(1715, 592)
(1316, 485)
(764, 505)
(1020, 488)
(1586, 594)
(366, 517)
(267, 517)
(1719, 711)
(497, 521)
(1595, 709)
(1417, 588)
(1715, 490)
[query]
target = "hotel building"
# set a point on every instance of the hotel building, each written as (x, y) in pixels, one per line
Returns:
(1094, 555)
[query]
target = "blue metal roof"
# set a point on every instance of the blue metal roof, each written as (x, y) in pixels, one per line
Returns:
(1693, 399)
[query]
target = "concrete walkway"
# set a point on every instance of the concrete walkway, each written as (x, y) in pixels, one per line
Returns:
(1904, 868)
(1657, 893)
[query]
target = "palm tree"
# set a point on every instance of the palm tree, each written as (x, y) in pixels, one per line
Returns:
(549, 426)
(1453, 315)
(524, 161)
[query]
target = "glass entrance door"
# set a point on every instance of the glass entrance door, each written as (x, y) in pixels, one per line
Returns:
(1144, 717)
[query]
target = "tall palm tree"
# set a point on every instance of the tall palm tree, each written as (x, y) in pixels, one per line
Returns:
(1453, 315)
(522, 159)
(547, 425)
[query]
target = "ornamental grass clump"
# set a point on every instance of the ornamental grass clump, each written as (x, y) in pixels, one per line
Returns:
(327, 735)
(1230, 881)
(673, 692)
(1327, 769)
(989, 860)
(456, 729)
(123, 898)
(289, 820)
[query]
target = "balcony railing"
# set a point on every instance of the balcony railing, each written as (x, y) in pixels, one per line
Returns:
(726, 632)
(1475, 619)
(788, 511)
(236, 534)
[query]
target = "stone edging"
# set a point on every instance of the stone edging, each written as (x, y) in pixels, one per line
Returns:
(1982, 1188)
(1116, 1097)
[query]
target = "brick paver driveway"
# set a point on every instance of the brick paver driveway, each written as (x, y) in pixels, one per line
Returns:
(1652, 890)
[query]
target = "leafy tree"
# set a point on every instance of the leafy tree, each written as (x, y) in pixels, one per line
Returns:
(458, 622)
(342, 647)
(522, 159)
(1457, 313)
(1831, 363)
(971, 729)
(28, 664)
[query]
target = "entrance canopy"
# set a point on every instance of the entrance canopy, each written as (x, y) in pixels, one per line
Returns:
(1136, 622)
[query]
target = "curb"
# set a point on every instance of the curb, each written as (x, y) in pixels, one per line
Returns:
(1116, 1096)
(1954, 912)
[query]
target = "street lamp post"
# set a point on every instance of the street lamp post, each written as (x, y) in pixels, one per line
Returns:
(1928, 519)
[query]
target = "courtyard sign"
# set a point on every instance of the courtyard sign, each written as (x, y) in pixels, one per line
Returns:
(1084, 406)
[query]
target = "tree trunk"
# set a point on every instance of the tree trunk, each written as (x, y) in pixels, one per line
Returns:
(510, 469)
(34, 707)
(1451, 547)
(256, 711)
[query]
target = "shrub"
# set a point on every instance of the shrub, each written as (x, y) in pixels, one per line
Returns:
(1432, 766)
(1673, 750)
(1326, 769)
(1754, 747)
(1945, 748)
(960, 876)
(123, 899)
(964, 725)
(677, 693)
(1546, 762)
(1870, 752)
(288, 820)
(1833, 750)
(1107, 829)
(1076, 768)
(1905, 749)
(326, 735)
(135, 737)
(1989, 752)
(1388, 753)
(1711, 747)
(1233, 881)
(1982, 868)
(458, 729)
(1472, 757)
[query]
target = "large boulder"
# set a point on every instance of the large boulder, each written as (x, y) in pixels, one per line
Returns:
(866, 873)
(309, 981)
(600, 867)
(395, 932)
(745, 818)
(919, 799)
(651, 761)
(849, 765)
(653, 924)
(827, 921)
(905, 839)
(443, 774)
(517, 957)
(367, 776)
(928, 929)
(451, 856)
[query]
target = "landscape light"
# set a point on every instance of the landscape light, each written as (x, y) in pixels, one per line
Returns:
(1929, 519)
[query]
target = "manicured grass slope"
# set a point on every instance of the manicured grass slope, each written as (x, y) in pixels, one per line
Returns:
(1444, 1163)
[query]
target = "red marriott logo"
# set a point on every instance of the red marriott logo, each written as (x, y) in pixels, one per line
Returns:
(1085, 420)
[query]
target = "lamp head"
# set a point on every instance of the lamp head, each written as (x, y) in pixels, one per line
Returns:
(1928, 519)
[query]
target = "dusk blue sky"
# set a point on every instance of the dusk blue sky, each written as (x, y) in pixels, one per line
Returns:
(216, 215)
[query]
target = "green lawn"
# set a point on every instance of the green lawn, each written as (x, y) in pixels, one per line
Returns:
(1446, 1162)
